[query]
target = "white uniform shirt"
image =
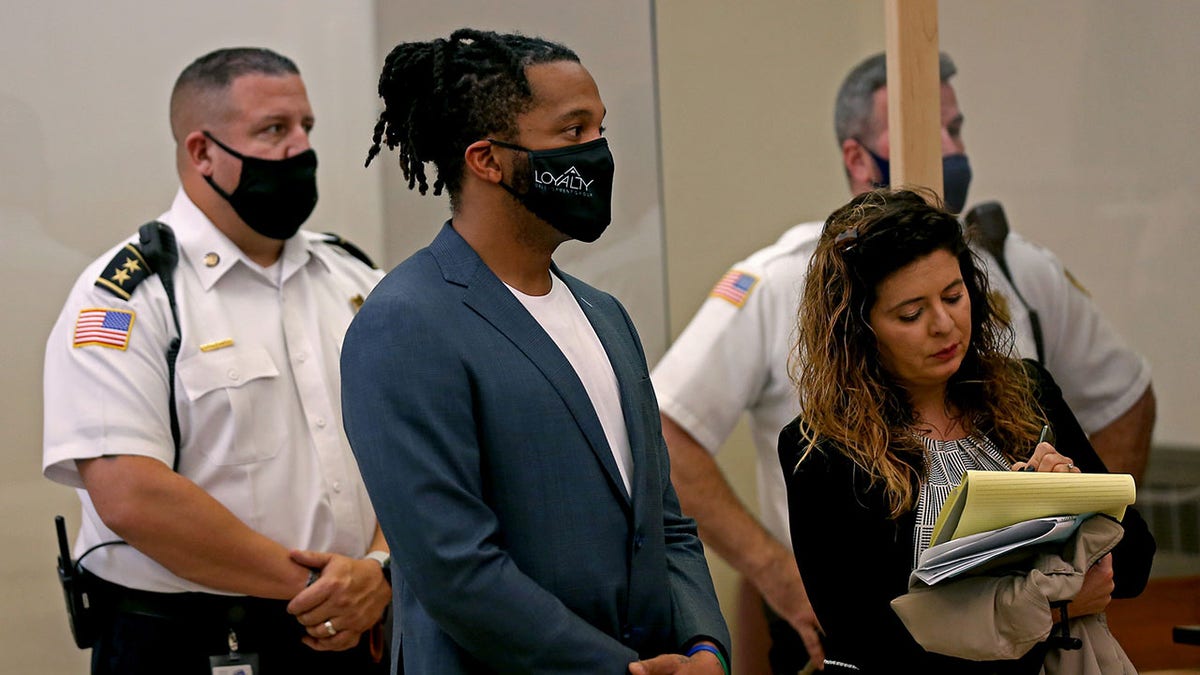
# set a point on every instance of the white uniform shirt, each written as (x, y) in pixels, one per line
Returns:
(559, 314)
(257, 391)
(734, 358)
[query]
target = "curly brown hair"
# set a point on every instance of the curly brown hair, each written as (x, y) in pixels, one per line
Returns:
(847, 398)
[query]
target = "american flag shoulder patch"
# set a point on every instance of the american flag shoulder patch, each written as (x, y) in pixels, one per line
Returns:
(734, 287)
(103, 327)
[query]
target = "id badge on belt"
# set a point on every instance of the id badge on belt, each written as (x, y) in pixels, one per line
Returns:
(235, 662)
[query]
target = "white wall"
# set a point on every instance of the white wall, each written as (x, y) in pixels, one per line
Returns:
(85, 157)
(1082, 120)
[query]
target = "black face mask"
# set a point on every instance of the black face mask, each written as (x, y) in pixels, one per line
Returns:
(273, 196)
(956, 178)
(569, 187)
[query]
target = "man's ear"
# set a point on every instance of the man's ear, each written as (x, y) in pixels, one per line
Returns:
(198, 150)
(860, 167)
(481, 162)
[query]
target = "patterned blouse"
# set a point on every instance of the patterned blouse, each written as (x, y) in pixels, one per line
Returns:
(947, 462)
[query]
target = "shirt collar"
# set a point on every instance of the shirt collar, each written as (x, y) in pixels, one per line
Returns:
(211, 254)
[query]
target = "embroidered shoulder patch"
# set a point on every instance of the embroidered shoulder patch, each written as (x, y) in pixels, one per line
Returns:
(103, 327)
(735, 287)
(126, 270)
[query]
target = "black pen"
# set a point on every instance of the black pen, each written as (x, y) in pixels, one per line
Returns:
(1046, 436)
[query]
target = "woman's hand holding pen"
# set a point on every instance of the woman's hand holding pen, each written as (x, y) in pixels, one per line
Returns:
(1097, 588)
(1046, 458)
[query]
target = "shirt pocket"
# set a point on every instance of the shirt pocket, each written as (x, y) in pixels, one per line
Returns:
(232, 396)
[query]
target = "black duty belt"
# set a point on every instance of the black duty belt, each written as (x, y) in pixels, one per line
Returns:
(190, 607)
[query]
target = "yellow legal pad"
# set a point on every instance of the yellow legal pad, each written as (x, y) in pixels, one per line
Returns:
(987, 500)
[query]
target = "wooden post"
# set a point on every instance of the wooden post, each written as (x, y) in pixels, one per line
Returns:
(914, 93)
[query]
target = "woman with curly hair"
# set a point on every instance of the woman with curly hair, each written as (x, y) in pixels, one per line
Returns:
(906, 377)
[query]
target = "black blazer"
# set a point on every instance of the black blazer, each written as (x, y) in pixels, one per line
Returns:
(854, 559)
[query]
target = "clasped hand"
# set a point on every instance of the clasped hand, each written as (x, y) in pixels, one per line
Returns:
(702, 663)
(350, 594)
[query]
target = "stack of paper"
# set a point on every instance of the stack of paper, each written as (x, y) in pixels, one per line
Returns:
(986, 500)
(994, 513)
(954, 557)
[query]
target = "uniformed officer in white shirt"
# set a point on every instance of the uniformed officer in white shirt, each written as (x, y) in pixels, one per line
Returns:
(733, 357)
(248, 534)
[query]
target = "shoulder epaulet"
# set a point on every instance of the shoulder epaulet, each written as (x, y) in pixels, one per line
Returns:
(125, 271)
(137, 261)
(337, 240)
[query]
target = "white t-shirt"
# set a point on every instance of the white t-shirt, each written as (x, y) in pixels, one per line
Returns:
(257, 390)
(560, 316)
(733, 355)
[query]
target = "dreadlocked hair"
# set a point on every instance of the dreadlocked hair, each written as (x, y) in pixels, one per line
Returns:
(441, 96)
(848, 400)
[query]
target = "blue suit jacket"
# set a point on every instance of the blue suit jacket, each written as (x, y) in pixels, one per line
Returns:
(516, 546)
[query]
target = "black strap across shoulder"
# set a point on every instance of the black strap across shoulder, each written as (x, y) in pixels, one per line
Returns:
(157, 244)
(989, 226)
(337, 240)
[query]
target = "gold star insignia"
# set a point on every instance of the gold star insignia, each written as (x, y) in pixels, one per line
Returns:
(120, 276)
(132, 265)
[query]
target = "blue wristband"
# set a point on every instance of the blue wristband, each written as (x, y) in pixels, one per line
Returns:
(715, 652)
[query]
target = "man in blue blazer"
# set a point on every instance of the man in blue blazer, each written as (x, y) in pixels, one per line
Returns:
(501, 411)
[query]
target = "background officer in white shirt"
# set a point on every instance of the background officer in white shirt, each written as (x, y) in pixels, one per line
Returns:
(248, 534)
(733, 357)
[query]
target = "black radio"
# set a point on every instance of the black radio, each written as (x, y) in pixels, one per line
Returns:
(75, 591)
